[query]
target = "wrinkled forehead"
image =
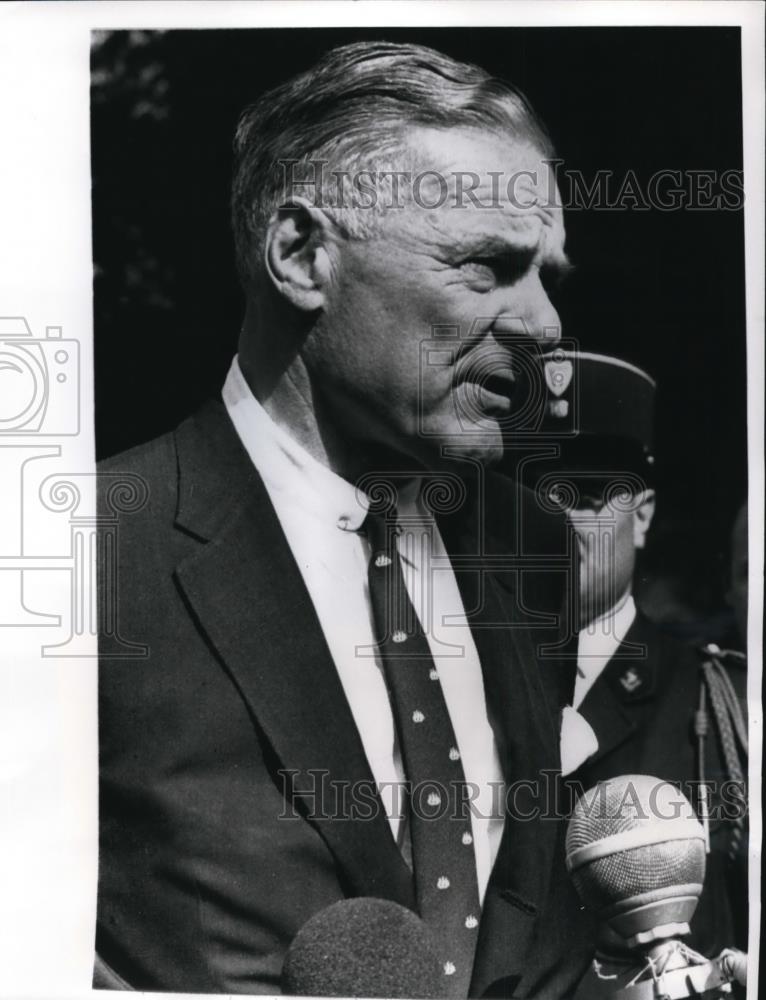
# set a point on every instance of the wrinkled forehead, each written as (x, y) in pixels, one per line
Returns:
(493, 162)
(470, 183)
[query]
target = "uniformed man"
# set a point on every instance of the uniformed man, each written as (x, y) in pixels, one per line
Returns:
(642, 702)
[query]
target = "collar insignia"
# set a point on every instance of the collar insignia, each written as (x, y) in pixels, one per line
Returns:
(631, 681)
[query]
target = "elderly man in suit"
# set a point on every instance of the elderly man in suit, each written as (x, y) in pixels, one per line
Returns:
(310, 578)
(642, 702)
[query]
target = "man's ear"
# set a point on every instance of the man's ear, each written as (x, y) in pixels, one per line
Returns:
(298, 253)
(642, 518)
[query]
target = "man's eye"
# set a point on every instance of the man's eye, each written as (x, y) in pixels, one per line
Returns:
(562, 497)
(494, 270)
(591, 501)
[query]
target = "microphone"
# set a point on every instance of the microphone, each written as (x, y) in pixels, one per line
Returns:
(636, 854)
(363, 947)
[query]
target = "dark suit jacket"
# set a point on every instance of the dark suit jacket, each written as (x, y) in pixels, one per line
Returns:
(642, 708)
(214, 848)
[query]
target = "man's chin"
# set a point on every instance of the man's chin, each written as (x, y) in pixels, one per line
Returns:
(440, 447)
(477, 451)
(487, 453)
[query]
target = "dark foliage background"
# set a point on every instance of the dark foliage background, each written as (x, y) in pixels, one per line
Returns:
(663, 289)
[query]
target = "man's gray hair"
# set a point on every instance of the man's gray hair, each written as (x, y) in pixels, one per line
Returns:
(352, 112)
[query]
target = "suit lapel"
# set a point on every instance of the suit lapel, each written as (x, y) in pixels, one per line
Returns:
(616, 703)
(527, 736)
(249, 599)
(603, 711)
(515, 691)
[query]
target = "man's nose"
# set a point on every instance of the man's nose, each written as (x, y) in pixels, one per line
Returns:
(531, 311)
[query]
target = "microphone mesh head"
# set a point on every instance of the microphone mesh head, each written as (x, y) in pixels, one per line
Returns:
(659, 813)
(645, 869)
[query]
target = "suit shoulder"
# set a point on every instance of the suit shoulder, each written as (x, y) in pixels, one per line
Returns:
(152, 456)
(650, 632)
(140, 480)
(678, 662)
(156, 461)
(513, 509)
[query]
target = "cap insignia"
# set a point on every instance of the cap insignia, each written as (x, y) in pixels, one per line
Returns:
(558, 375)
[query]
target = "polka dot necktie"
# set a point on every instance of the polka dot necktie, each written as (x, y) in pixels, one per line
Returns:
(442, 843)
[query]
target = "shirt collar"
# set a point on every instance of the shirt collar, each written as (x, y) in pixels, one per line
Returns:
(603, 635)
(285, 466)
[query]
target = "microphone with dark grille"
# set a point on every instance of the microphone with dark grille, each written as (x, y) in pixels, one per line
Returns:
(363, 947)
(636, 854)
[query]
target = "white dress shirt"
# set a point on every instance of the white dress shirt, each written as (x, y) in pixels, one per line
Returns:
(596, 645)
(321, 515)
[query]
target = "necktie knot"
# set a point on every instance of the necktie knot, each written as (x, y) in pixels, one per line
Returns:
(381, 529)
